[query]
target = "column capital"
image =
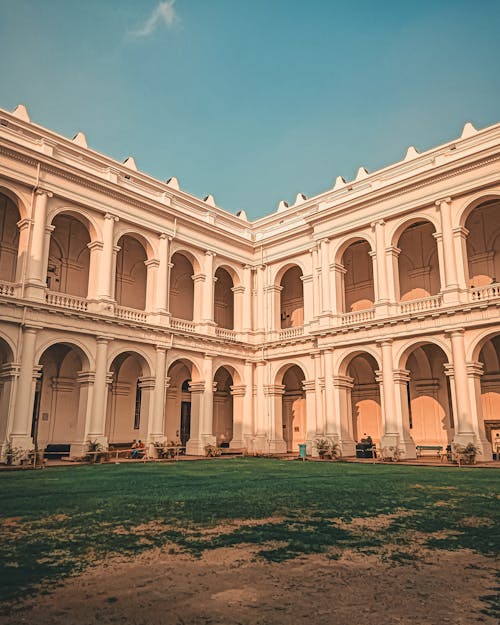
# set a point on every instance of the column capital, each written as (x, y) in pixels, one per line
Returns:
(24, 223)
(392, 250)
(238, 390)
(196, 387)
(401, 376)
(238, 289)
(274, 389)
(85, 378)
(110, 217)
(210, 253)
(475, 369)
(43, 191)
(95, 245)
(162, 347)
(378, 222)
(384, 342)
(343, 381)
(460, 232)
(309, 386)
(152, 262)
(455, 332)
(103, 339)
(445, 200)
(198, 277)
(165, 235)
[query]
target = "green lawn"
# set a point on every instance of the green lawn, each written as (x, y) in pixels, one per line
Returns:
(56, 521)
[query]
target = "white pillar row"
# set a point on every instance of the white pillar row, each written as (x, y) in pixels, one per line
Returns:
(274, 394)
(246, 319)
(208, 291)
(195, 445)
(157, 414)
(20, 435)
(380, 268)
(309, 387)
(37, 265)
(260, 299)
(450, 268)
(464, 429)
(95, 428)
(238, 392)
(342, 389)
(460, 240)
(326, 307)
(392, 266)
(475, 371)
(207, 435)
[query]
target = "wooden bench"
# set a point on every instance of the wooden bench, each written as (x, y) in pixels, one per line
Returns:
(435, 448)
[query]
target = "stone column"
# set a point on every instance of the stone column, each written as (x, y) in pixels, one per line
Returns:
(340, 272)
(36, 278)
(239, 307)
(9, 373)
(199, 285)
(24, 227)
(392, 264)
(208, 293)
(309, 387)
(273, 296)
(260, 406)
(342, 390)
(274, 394)
(380, 269)
(248, 405)
(450, 294)
(464, 430)
(474, 373)
(238, 393)
(97, 419)
(155, 428)
(195, 445)
(86, 381)
(261, 327)
(460, 240)
(326, 309)
(319, 384)
(20, 435)
(159, 305)
(207, 435)
(307, 286)
(332, 426)
(103, 269)
(316, 282)
(246, 323)
(152, 266)
(401, 381)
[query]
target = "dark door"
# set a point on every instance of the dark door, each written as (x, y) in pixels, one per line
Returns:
(185, 422)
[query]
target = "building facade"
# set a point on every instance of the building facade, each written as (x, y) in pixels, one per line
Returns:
(131, 309)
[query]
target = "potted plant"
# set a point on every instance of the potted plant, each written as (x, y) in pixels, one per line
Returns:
(470, 451)
(95, 451)
(322, 447)
(212, 451)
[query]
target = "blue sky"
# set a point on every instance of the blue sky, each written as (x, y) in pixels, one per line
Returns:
(253, 101)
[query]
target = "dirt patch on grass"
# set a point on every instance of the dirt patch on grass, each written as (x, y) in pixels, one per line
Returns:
(229, 585)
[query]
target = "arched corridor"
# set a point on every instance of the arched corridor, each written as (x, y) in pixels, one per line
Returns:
(223, 299)
(294, 408)
(292, 298)
(418, 267)
(129, 397)
(69, 256)
(365, 398)
(131, 273)
(9, 239)
(181, 288)
(483, 244)
(223, 407)
(357, 280)
(177, 425)
(429, 405)
(6, 383)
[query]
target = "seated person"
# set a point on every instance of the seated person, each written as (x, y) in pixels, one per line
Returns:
(367, 439)
(138, 450)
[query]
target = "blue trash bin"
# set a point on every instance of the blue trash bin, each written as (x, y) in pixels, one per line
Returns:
(302, 451)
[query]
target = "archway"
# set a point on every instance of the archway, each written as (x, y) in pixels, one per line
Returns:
(489, 357)
(178, 407)
(222, 427)
(131, 273)
(358, 285)
(61, 397)
(292, 298)
(224, 299)
(129, 396)
(69, 256)
(418, 265)
(9, 239)
(294, 408)
(6, 380)
(483, 244)
(430, 414)
(365, 398)
(181, 288)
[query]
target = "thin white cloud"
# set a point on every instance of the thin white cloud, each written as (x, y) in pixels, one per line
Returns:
(164, 14)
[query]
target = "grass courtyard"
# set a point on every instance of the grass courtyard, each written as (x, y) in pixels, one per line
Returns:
(57, 522)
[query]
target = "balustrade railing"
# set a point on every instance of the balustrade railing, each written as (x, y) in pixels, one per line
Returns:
(225, 333)
(419, 305)
(130, 314)
(481, 293)
(290, 333)
(182, 324)
(63, 300)
(6, 289)
(358, 316)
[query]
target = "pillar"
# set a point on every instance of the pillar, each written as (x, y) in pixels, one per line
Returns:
(157, 414)
(460, 240)
(152, 266)
(342, 389)
(308, 286)
(380, 269)
(316, 287)
(326, 308)
(238, 307)
(474, 373)
(158, 307)
(392, 266)
(261, 328)
(208, 402)
(36, 277)
(103, 269)
(332, 428)
(20, 435)
(260, 406)
(464, 430)
(97, 419)
(248, 406)
(208, 291)
(85, 381)
(448, 250)
(275, 442)
(238, 393)
(246, 319)
(9, 374)
(195, 445)
(309, 387)
(401, 381)
(320, 421)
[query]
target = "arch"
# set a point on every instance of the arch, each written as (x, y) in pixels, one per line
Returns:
(224, 299)
(231, 270)
(188, 362)
(477, 345)
(131, 273)
(14, 196)
(418, 269)
(282, 369)
(6, 351)
(72, 343)
(80, 214)
(482, 245)
(181, 373)
(129, 231)
(282, 268)
(129, 397)
(233, 369)
(397, 227)
(291, 298)
(356, 282)
(181, 295)
(402, 352)
(141, 355)
(487, 390)
(191, 256)
(69, 255)
(462, 210)
(60, 404)
(293, 406)
(366, 409)
(9, 239)
(428, 408)
(345, 242)
(346, 360)
(222, 424)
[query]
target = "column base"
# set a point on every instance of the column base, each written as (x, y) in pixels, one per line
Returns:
(258, 444)
(196, 447)
(451, 295)
(206, 327)
(159, 318)
(35, 292)
(101, 307)
(277, 447)
(348, 448)
(237, 443)
(405, 446)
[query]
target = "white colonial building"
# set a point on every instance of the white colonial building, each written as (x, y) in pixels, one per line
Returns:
(131, 309)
